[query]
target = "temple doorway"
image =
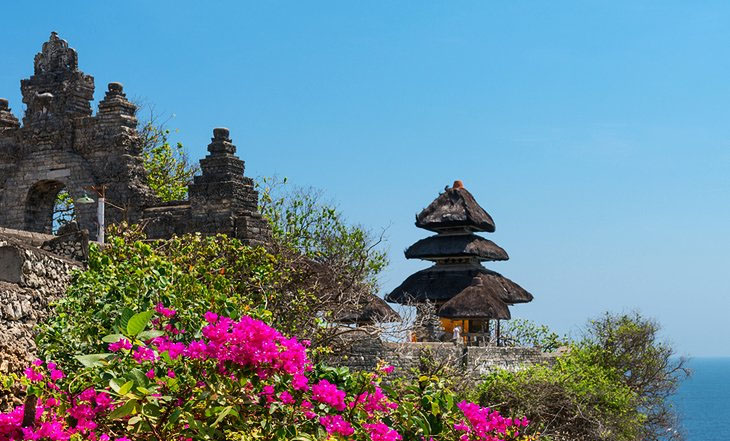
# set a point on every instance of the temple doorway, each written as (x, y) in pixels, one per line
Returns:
(48, 206)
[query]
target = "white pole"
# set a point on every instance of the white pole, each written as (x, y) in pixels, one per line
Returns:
(100, 219)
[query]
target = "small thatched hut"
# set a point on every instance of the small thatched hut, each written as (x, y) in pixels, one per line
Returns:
(370, 311)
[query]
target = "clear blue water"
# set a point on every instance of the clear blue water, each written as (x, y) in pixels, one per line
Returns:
(703, 401)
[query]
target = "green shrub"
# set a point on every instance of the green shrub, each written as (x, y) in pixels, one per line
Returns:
(574, 399)
(191, 274)
(613, 384)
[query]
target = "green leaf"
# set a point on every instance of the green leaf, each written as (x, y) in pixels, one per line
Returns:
(92, 360)
(112, 338)
(126, 409)
(223, 413)
(139, 376)
(126, 387)
(175, 415)
(143, 390)
(150, 334)
(124, 318)
(449, 401)
(151, 410)
(116, 384)
(138, 322)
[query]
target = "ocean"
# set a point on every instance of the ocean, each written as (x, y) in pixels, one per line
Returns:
(703, 400)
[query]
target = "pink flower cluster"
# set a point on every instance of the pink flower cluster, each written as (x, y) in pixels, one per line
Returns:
(253, 343)
(336, 425)
(165, 312)
(34, 373)
(375, 401)
(483, 423)
(248, 350)
(381, 432)
(246, 343)
(120, 344)
(51, 422)
(327, 393)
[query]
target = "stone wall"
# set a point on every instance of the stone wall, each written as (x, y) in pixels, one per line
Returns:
(30, 279)
(73, 246)
(364, 353)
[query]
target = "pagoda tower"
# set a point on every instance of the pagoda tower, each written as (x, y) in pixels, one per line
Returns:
(461, 289)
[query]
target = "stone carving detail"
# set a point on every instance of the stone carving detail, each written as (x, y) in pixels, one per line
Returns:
(62, 145)
(7, 119)
(56, 55)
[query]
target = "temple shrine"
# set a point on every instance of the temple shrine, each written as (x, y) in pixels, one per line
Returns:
(463, 292)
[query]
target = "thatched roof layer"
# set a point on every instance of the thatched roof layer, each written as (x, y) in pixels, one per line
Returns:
(441, 283)
(466, 245)
(475, 302)
(455, 208)
(374, 310)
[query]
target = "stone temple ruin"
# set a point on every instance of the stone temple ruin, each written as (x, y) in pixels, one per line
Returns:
(62, 145)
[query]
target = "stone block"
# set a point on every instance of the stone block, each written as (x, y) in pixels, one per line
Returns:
(56, 174)
(11, 264)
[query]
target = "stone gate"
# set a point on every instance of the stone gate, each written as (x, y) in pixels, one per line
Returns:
(62, 145)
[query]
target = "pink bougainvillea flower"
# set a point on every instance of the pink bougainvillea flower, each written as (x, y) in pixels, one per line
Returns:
(120, 344)
(300, 382)
(336, 425)
(327, 393)
(210, 317)
(286, 398)
(169, 313)
(381, 432)
(33, 375)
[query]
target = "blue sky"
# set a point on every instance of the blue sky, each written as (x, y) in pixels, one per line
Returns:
(596, 134)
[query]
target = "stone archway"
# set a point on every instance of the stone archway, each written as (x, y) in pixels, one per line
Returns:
(31, 191)
(39, 205)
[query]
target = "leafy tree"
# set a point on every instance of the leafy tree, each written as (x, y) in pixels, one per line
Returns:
(572, 400)
(526, 333)
(613, 384)
(630, 345)
(303, 222)
(169, 169)
(64, 211)
(192, 274)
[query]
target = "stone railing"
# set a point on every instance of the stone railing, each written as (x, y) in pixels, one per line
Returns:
(26, 237)
(364, 353)
(74, 246)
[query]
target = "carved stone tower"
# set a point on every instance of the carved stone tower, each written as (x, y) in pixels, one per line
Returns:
(62, 145)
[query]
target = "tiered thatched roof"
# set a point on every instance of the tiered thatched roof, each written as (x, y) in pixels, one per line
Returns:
(455, 208)
(476, 302)
(441, 283)
(442, 246)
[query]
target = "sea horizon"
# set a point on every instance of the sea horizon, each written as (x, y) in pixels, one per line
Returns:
(702, 400)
